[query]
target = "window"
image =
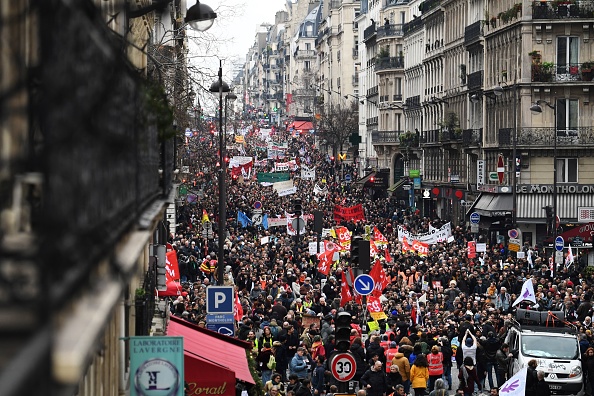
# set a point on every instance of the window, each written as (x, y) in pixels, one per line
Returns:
(308, 46)
(567, 55)
(307, 65)
(567, 118)
(567, 170)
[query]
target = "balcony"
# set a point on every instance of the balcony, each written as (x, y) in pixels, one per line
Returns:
(371, 121)
(429, 5)
(372, 91)
(475, 80)
(303, 92)
(396, 62)
(412, 26)
(549, 72)
(430, 137)
(544, 137)
(355, 79)
(473, 33)
(472, 137)
(388, 31)
(579, 9)
(397, 97)
(305, 54)
(413, 102)
(382, 137)
(446, 136)
(369, 32)
(355, 53)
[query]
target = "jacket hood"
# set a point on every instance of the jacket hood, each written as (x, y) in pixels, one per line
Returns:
(399, 355)
(406, 348)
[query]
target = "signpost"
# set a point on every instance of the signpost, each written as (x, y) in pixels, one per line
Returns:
(475, 218)
(219, 299)
(364, 284)
(343, 366)
(347, 178)
(559, 243)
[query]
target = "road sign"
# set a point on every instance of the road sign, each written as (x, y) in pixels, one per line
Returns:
(558, 257)
(364, 284)
(258, 205)
(513, 233)
(475, 218)
(577, 241)
(474, 228)
(222, 328)
(347, 178)
(343, 366)
(188, 132)
(559, 243)
(500, 169)
(493, 176)
(219, 299)
(220, 318)
(257, 219)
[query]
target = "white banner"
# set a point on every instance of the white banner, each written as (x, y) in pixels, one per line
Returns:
(320, 190)
(326, 232)
(290, 229)
(308, 173)
(288, 191)
(278, 186)
(437, 235)
(281, 167)
(277, 221)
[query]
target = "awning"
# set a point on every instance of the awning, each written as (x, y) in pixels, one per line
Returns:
(204, 376)
(213, 347)
(396, 185)
(302, 125)
(364, 179)
(493, 205)
(530, 206)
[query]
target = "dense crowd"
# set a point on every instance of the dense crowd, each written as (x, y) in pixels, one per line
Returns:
(289, 307)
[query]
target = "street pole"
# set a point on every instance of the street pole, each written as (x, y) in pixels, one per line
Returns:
(554, 107)
(514, 159)
(222, 192)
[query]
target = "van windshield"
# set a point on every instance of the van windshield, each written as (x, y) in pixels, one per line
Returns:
(549, 347)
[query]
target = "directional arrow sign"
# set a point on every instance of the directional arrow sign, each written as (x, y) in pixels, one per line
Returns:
(364, 284)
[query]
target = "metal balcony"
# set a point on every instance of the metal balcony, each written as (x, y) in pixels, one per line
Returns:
(396, 62)
(412, 26)
(544, 137)
(473, 33)
(548, 72)
(381, 137)
(475, 80)
(429, 5)
(369, 32)
(579, 9)
(392, 30)
(472, 137)
(430, 136)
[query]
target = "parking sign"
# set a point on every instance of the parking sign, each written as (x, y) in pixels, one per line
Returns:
(219, 299)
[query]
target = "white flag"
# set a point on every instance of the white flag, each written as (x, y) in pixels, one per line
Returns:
(423, 299)
(569, 258)
(527, 293)
(530, 263)
(516, 385)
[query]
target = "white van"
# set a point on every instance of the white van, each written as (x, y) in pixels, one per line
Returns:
(557, 351)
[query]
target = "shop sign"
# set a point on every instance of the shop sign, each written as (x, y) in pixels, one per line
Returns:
(561, 189)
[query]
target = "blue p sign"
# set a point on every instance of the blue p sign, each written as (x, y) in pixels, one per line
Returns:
(219, 299)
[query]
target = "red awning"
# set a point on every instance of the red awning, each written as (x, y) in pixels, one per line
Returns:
(205, 377)
(302, 125)
(213, 347)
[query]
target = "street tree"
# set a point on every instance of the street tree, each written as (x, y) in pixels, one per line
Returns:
(336, 124)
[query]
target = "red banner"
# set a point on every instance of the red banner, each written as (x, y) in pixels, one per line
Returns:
(171, 266)
(471, 249)
(349, 213)
(374, 304)
(325, 261)
(345, 291)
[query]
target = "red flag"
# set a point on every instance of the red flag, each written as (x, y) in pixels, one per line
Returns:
(358, 298)
(374, 304)
(345, 291)
(171, 266)
(372, 249)
(238, 308)
(378, 236)
(405, 245)
(379, 278)
(387, 255)
(325, 262)
(331, 246)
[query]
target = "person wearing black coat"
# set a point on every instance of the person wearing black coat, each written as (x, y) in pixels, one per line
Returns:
(531, 378)
(374, 380)
(394, 378)
(542, 388)
(359, 355)
(375, 348)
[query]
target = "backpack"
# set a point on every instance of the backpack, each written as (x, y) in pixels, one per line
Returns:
(271, 363)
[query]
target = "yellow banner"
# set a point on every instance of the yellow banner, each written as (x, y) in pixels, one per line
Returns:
(373, 326)
(378, 316)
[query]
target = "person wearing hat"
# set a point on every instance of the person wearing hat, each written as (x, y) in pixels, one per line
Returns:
(331, 290)
(468, 377)
(435, 361)
(390, 354)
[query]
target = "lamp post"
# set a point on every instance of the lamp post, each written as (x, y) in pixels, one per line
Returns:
(200, 16)
(220, 86)
(537, 109)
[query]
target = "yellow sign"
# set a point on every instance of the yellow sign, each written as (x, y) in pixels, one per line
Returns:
(378, 316)
(342, 157)
(239, 139)
(373, 326)
(512, 247)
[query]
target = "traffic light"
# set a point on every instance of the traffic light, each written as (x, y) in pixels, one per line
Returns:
(550, 212)
(355, 253)
(297, 207)
(508, 222)
(342, 331)
(372, 179)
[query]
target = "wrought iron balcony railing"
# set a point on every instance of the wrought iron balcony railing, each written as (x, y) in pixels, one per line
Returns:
(549, 72)
(472, 137)
(580, 9)
(395, 62)
(380, 137)
(392, 30)
(475, 80)
(544, 137)
(473, 32)
(369, 32)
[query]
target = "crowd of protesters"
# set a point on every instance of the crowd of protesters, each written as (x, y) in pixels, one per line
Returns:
(462, 324)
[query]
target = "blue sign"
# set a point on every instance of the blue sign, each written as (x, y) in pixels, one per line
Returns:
(475, 218)
(559, 243)
(364, 284)
(347, 178)
(222, 328)
(188, 132)
(417, 183)
(220, 318)
(219, 299)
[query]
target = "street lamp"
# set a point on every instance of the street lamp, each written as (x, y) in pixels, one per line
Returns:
(537, 109)
(220, 86)
(200, 16)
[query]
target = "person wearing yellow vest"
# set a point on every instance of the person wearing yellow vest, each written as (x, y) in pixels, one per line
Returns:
(435, 360)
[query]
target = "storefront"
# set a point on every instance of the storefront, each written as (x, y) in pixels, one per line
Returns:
(213, 363)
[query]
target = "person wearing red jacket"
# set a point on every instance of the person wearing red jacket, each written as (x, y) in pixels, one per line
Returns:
(435, 360)
(390, 354)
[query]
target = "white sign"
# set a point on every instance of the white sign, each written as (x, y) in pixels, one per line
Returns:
(282, 185)
(264, 240)
(481, 247)
(326, 232)
(277, 221)
(585, 214)
(435, 235)
(559, 257)
(474, 228)
(480, 173)
(520, 255)
(288, 191)
(257, 219)
(281, 167)
(185, 169)
(308, 173)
